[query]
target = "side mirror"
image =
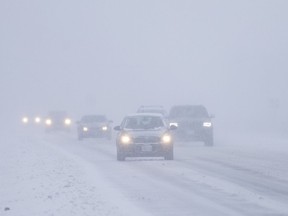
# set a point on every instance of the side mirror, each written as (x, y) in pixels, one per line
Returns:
(173, 127)
(117, 128)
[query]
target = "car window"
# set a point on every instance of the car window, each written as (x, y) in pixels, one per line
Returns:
(189, 111)
(143, 123)
(95, 118)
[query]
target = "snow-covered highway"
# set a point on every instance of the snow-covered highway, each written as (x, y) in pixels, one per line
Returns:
(55, 174)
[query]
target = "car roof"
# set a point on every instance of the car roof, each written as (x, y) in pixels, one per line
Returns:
(145, 114)
(151, 106)
(94, 115)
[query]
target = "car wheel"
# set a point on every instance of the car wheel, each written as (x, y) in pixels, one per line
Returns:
(169, 155)
(209, 141)
(120, 156)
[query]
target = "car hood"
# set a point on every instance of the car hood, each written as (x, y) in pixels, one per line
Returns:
(94, 124)
(179, 120)
(137, 133)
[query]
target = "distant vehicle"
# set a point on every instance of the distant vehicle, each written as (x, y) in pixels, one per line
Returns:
(194, 123)
(95, 126)
(152, 109)
(31, 120)
(57, 121)
(144, 134)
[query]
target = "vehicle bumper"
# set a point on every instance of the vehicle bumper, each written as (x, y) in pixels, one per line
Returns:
(145, 150)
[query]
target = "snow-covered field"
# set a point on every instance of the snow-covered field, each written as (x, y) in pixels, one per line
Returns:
(55, 174)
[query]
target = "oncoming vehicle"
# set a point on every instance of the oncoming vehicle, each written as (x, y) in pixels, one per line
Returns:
(194, 123)
(152, 109)
(57, 121)
(95, 126)
(36, 120)
(144, 134)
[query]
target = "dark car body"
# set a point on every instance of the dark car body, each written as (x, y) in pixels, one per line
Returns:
(194, 123)
(94, 126)
(144, 135)
(57, 121)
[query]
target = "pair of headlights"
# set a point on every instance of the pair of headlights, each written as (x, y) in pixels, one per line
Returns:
(26, 120)
(103, 128)
(126, 139)
(66, 121)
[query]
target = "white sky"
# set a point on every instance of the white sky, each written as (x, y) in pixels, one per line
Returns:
(112, 56)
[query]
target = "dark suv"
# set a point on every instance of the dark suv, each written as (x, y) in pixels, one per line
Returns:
(194, 123)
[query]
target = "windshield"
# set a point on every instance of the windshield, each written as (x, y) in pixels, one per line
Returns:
(143, 122)
(94, 118)
(189, 111)
(152, 111)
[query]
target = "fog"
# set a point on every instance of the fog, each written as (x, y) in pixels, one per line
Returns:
(113, 56)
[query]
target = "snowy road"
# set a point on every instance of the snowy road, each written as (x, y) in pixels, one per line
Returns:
(58, 175)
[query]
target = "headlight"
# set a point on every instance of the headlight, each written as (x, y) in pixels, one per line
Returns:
(25, 120)
(37, 120)
(67, 121)
(85, 129)
(125, 139)
(173, 123)
(104, 128)
(48, 122)
(207, 124)
(166, 138)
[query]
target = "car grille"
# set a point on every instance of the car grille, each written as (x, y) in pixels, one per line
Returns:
(146, 139)
(190, 125)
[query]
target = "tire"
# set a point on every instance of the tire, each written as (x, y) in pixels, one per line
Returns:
(169, 155)
(120, 156)
(209, 141)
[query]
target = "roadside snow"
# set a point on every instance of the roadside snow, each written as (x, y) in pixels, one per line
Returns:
(39, 179)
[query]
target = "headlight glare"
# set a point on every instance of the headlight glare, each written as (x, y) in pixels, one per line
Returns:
(25, 120)
(125, 139)
(104, 128)
(67, 121)
(173, 123)
(207, 124)
(85, 129)
(166, 138)
(37, 120)
(48, 122)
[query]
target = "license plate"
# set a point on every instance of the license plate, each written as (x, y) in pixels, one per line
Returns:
(146, 148)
